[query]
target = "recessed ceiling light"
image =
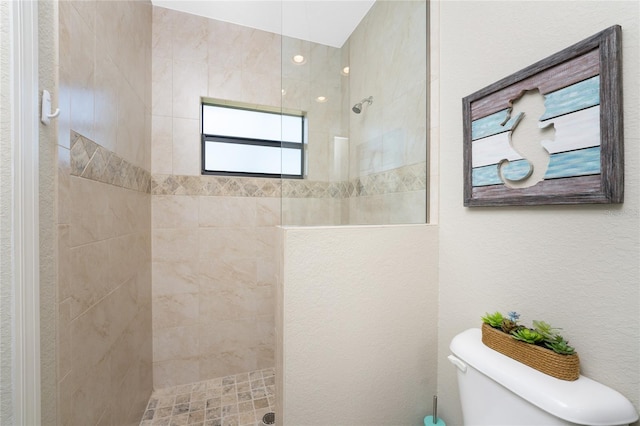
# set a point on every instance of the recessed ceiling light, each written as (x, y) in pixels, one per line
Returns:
(321, 99)
(345, 71)
(298, 59)
(284, 92)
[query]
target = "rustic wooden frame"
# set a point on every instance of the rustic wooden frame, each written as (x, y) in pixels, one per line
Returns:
(605, 51)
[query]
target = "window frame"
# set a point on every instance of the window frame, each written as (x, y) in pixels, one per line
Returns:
(252, 141)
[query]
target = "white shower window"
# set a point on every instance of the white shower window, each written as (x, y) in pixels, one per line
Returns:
(239, 141)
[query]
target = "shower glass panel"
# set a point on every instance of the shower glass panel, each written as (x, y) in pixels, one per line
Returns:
(365, 103)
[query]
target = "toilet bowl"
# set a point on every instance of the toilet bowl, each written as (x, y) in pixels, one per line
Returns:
(496, 390)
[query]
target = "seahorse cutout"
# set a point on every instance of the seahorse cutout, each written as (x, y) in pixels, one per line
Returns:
(526, 138)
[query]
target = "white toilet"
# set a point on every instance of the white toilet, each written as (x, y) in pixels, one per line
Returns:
(496, 390)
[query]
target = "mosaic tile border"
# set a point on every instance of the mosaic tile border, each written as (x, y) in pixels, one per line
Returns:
(92, 161)
(403, 179)
(215, 186)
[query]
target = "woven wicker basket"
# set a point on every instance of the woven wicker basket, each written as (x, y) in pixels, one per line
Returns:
(564, 367)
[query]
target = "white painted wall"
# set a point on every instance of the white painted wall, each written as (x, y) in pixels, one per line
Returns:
(6, 206)
(356, 325)
(577, 267)
(48, 79)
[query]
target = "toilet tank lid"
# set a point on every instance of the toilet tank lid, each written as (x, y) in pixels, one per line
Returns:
(583, 401)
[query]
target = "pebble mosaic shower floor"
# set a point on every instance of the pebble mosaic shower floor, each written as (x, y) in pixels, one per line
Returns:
(237, 400)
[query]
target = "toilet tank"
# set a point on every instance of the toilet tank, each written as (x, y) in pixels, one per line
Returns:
(497, 390)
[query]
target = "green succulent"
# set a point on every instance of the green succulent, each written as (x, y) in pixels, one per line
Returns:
(494, 320)
(559, 345)
(549, 332)
(527, 335)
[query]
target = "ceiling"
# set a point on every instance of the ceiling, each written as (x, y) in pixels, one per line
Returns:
(328, 22)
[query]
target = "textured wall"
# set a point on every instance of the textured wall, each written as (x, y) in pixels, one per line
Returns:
(6, 275)
(573, 266)
(47, 79)
(356, 325)
(104, 212)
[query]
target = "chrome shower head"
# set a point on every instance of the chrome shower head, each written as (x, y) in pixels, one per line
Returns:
(357, 108)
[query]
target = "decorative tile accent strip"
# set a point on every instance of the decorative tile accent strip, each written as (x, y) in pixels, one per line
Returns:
(92, 161)
(215, 186)
(403, 179)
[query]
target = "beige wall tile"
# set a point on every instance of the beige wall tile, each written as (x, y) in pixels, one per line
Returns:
(260, 88)
(235, 301)
(227, 212)
(162, 84)
(189, 37)
(65, 399)
(218, 273)
(262, 53)
(63, 193)
(186, 147)
(175, 343)
(265, 242)
(64, 356)
(161, 144)
(268, 211)
(173, 310)
(227, 243)
(64, 263)
(81, 69)
(123, 356)
(162, 32)
(267, 269)
(225, 41)
(190, 79)
(170, 211)
(172, 245)
(90, 275)
(228, 336)
(91, 398)
(175, 277)
(131, 119)
(104, 246)
(129, 210)
(175, 372)
(224, 83)
(124, 253)
(106, 102)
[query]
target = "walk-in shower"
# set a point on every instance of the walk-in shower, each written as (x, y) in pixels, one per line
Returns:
(365, 163)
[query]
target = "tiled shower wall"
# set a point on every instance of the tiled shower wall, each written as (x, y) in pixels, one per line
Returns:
(213, 238)
(213, 270)
(388, 61)
(104, 213)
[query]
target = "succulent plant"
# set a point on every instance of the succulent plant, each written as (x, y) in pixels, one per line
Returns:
(561, 346)
(545, 329)
(527, 335)
(508, 325)
(494, 320)
(542, 333)
(511, 323)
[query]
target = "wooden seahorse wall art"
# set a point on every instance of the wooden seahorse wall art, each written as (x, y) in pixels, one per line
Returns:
(551, 133)
(528, 137)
